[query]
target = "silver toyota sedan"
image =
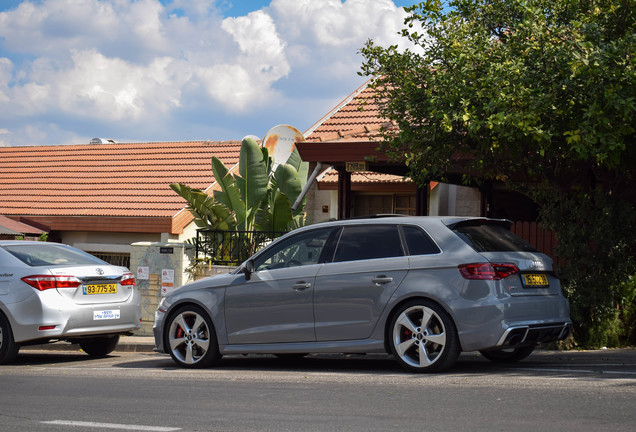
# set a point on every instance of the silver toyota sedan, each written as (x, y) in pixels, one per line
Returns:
(50, 292)
(423, 289)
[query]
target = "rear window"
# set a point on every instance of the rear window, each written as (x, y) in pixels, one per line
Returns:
(44, 254)
(491, 237)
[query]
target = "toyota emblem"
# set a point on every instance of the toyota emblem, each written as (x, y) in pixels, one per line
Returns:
(100, 271)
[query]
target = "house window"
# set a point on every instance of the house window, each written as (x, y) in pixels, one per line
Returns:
(405, 204)
(118, 259)
(364, 205)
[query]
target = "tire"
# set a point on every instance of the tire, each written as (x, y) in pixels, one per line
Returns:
(8, 348)
(423, 337)
(508, 355)
(190, 338)
(99, 346)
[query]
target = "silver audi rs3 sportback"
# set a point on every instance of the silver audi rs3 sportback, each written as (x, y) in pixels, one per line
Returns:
(423, 289)
(51, 292)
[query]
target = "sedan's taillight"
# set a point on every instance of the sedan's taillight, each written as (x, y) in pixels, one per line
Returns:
(128, 279)
(44, 282)
(487, 271)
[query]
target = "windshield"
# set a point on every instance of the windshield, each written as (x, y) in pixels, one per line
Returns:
(49, 254)
(491, 237)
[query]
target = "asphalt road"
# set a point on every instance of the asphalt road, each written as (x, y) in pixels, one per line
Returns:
(550, 391)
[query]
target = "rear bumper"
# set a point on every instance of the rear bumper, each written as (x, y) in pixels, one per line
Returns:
(533, 334)
(60, 318)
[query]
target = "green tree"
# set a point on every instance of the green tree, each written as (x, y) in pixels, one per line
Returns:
(540, 95)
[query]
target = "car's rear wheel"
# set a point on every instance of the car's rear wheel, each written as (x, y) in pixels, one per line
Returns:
(508, 355)
(191, 340)
(8, 348)
(423, 337)
(99, 346)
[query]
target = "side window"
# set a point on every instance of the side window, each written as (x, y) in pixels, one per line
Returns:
(368, 242)
(301, 249)
(418, 242)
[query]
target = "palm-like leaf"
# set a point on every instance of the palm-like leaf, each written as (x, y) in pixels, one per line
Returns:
(252, 180)
(207, 212)
(229, 194)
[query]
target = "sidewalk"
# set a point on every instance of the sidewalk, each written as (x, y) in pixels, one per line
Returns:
(126, 344)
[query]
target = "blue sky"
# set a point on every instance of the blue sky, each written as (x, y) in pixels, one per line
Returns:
(151, 70)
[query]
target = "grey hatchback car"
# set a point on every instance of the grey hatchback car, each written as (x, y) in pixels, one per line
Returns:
(51, 291)
(423, 289)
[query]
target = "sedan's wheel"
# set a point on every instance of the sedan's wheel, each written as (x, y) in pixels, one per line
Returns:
(423, 337)
(99, 346)
(8, 348)
(191, 339)
(508, 355)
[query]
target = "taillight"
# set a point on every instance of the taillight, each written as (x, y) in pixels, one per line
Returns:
(487, 271)
(44, 282)
(128, 279)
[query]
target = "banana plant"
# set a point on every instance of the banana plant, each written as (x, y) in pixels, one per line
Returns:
(255, 198)
(207, 212)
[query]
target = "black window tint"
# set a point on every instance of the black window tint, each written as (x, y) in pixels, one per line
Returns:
(301, 249)
(368, 242)
(418, 242)
(490, 237)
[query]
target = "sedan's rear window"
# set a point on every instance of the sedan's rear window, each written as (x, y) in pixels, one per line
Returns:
(491, 237)
(44, 254)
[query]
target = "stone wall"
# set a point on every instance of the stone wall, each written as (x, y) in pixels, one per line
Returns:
(159, 267)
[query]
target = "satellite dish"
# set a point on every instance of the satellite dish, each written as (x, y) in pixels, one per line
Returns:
(281, 141)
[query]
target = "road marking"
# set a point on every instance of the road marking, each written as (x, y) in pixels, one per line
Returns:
(111, 426)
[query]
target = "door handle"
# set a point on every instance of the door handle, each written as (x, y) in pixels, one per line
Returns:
(381, 279)
(301, 286)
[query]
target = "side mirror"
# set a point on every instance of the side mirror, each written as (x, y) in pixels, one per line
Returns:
(248, 269)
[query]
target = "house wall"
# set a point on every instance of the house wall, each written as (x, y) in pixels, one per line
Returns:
(320, 200)
(453, 200)
(105, 241)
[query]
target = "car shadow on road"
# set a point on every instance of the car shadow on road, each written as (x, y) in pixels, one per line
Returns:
(29, 358)
(331, 363)
(469, 364)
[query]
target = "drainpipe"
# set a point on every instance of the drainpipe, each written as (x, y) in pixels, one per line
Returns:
(310, 180)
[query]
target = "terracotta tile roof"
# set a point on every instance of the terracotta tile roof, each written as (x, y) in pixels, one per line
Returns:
(115, 179)
(356, 117)
(330, 177)
(12, 227)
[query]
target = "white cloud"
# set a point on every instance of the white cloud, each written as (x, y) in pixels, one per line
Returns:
(129, 66)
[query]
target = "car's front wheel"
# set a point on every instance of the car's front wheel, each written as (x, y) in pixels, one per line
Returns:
(508, 355)
(423, 337)
(99, 346)
(191, 339)
(8, 348)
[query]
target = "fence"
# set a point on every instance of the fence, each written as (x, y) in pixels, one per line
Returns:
(231, 247)
(543, 240)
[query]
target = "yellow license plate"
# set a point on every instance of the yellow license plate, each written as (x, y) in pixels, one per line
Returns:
(535, 280)
(101, 289)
